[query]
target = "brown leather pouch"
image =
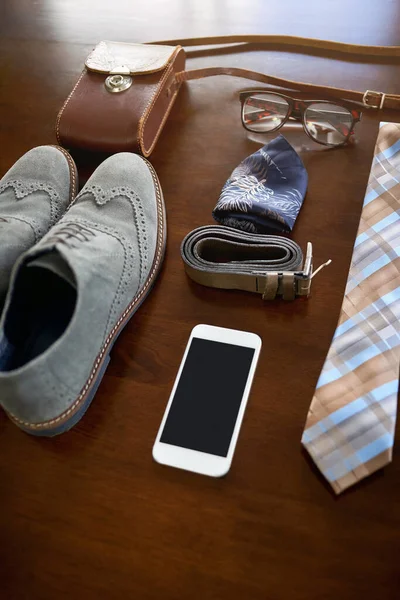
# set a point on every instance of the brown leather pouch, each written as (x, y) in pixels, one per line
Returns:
(122, 99)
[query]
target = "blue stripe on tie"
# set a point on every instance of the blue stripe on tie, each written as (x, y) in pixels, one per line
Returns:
(389, 152)
(370, 196)
(385, 222)
(385, 390)
(339, 470)
(362, 357)
(344, 327)
(329, 474)
(314, 431)
(347, 411)
(387, 299)
(393, 178)
(363, 455)
(352, 462)
(376, 447)
(360, 239)
(375, 266)
(352, 363)
(328, 377)
(351, 284)
(391, 297)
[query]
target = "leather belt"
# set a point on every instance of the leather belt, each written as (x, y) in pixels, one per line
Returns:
(270, 265)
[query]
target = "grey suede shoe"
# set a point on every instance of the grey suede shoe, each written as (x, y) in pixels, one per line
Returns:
(72, 294)
(34, 194)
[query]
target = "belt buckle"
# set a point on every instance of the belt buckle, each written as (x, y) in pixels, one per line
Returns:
(301, 279)
(307, 274)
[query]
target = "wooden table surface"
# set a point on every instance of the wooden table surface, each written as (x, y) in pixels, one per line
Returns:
(89, 514)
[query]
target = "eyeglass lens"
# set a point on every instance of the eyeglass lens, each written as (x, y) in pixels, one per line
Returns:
(328, 123)
(264, 112)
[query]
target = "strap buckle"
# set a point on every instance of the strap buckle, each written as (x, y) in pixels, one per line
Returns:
(377, 100)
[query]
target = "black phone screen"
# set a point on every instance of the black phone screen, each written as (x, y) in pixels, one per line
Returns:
(207, 399)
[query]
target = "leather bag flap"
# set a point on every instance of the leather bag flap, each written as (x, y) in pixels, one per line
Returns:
(139, 59)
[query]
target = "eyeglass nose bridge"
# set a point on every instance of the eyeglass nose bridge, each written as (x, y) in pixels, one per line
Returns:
(296, 110)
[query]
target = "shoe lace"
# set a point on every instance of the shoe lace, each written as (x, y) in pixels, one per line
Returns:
(70, 232)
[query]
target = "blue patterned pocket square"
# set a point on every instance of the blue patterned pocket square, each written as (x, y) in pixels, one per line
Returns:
(265, 192)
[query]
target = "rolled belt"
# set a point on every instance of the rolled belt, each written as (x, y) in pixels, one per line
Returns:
(226, 258)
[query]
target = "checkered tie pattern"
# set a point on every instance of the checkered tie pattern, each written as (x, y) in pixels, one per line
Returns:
(349, 430)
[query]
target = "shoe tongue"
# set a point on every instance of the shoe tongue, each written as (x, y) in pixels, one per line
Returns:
(53, 261)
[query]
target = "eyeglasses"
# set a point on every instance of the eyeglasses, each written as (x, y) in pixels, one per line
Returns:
(325, 122)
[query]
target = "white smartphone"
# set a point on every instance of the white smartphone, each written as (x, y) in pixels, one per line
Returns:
(202, 420)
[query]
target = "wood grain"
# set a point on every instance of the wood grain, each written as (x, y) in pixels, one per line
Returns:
(89, 514)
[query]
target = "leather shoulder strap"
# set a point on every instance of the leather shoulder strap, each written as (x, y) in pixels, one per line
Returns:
(289, 40)
(369, 99)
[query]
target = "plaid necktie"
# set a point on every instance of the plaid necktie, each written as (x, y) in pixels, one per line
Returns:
(350, 425)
